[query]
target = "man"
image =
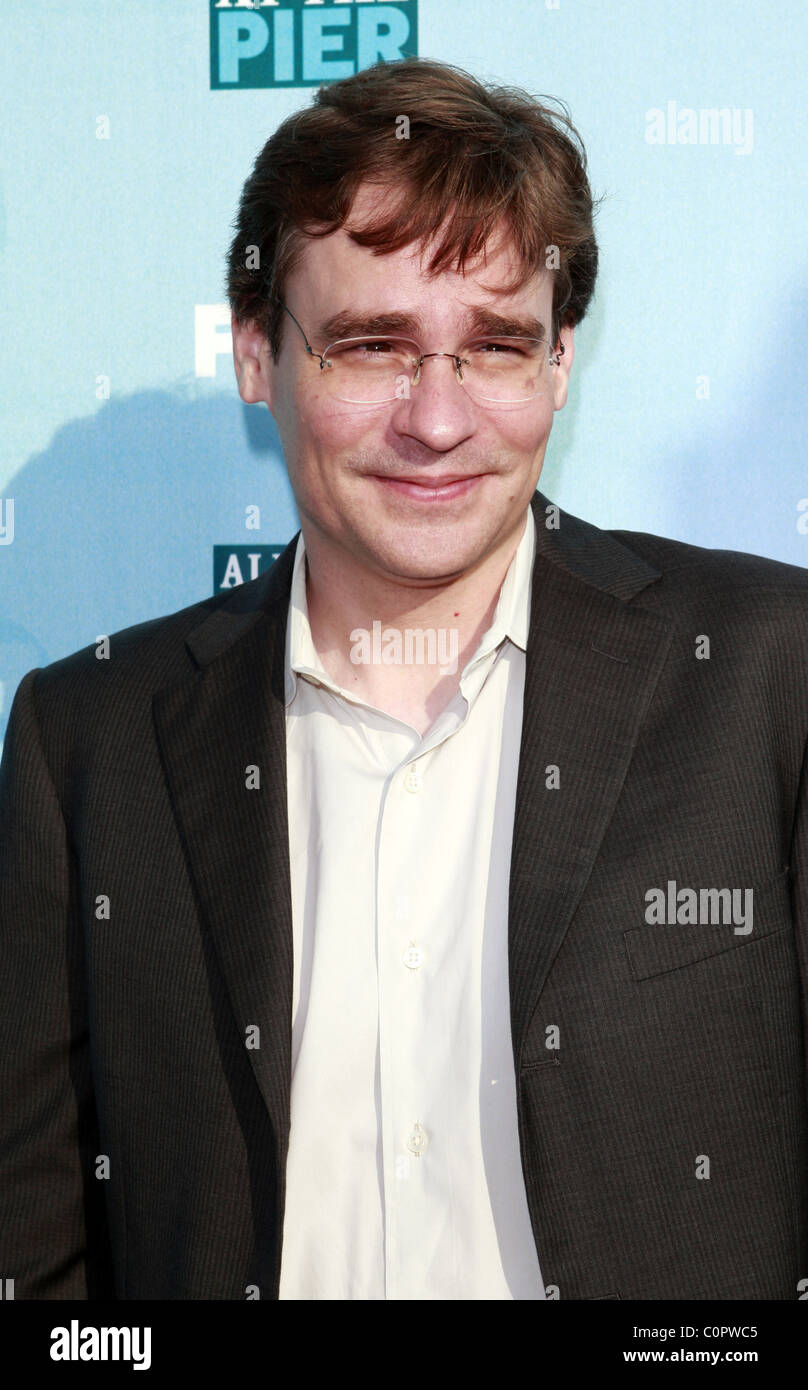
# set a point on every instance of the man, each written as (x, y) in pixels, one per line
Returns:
(425, 919)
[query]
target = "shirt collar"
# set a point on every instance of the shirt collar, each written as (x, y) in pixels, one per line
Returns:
(511, 615)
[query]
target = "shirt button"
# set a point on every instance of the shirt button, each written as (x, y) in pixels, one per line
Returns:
(413, 780)
(413, 956)
(417, 1140)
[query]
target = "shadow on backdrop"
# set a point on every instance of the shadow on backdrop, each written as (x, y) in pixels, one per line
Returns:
(115, 522)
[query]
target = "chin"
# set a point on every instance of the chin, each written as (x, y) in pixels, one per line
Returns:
(442, 562)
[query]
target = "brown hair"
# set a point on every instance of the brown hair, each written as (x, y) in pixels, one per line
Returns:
(476, 157)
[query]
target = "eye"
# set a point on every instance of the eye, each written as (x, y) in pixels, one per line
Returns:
(370, 347)
(494, 347)
(379, 351)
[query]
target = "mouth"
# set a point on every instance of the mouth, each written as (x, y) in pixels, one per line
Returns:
(430, 488)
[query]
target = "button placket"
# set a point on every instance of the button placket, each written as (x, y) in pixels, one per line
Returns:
(401, 957)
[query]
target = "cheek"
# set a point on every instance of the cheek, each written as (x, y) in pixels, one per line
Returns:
(317, 435)
(523, 430)
(304, 420)
(328, 429)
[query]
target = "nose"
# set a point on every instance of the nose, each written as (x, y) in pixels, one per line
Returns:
(438, 412)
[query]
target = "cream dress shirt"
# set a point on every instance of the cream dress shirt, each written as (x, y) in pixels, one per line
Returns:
(404, 1179)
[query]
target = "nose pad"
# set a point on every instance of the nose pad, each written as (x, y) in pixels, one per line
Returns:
(458, 365)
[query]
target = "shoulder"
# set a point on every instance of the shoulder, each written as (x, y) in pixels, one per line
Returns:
(728, 585)
(753, 609)
(115, 678)
(747, 613)
(684, 564)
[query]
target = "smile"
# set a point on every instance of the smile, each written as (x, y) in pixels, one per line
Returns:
(431, 489)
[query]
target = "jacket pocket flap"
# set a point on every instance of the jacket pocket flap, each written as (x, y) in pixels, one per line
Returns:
(655, 950)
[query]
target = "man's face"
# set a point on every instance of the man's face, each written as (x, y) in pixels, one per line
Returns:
(344, 460)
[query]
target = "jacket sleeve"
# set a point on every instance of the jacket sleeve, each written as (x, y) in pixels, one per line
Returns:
(798, 864)
(53, 1236)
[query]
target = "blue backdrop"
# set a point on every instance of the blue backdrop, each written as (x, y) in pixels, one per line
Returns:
(129, 128)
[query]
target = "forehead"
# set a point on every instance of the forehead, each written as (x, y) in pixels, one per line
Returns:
(334, 269)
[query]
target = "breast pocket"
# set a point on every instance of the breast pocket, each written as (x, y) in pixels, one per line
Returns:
(659, 948)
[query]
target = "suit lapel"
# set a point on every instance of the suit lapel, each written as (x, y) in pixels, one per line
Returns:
(592, 663)
(227, 717)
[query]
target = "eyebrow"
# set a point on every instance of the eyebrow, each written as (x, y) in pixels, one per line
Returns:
(480, 322)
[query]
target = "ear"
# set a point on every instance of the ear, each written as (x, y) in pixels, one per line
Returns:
(251, 360)
(561, 373)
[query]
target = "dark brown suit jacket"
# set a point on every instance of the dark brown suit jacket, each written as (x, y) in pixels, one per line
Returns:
(143, 1146)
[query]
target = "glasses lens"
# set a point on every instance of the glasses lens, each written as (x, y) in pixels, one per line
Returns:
(504, 370)
(369, 371)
